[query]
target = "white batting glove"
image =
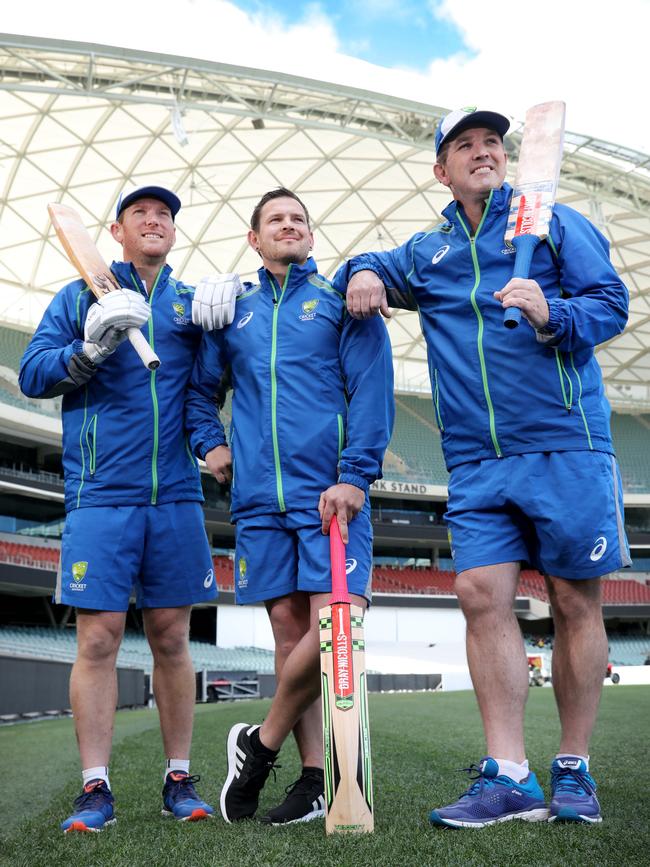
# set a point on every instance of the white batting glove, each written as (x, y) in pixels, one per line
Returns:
(214, 301)
(109, 319)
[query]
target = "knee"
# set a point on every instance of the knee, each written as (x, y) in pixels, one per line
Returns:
(98, 646)
(169, 645)
(475, 597)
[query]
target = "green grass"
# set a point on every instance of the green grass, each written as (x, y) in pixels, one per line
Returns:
(419, 740)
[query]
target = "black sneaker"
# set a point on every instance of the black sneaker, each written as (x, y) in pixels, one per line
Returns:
(248, 770)
(305, 800)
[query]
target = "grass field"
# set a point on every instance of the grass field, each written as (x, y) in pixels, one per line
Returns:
(419, 740)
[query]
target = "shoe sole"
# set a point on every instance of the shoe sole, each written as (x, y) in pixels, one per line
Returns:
(540, 815)
(195, 816)
(82, 828)
(316, 814)
(576, 818)
(231, 756)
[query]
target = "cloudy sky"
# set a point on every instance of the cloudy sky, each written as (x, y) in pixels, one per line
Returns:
(450, 53)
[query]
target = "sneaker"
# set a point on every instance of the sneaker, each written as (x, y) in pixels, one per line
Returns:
(493, 798)
(181, 800)
(305, 800)
(93, 809)
(247, 772)
(573, 790)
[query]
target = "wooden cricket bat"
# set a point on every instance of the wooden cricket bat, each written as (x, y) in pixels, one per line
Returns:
(533, 197)
(84, 255)
(346, 735)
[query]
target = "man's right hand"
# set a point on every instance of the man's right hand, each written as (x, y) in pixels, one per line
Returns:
(366, 296)
(109, 319)
(214, 301)
(219, 462)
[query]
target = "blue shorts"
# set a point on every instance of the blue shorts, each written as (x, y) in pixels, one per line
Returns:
(280, 553)
(162, 550)
(562, 512)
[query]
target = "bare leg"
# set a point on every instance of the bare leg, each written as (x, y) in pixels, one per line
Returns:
(579, 658)
(496, 655)
(299, 685)
(93, 683)
(290, 617)
(174, 687)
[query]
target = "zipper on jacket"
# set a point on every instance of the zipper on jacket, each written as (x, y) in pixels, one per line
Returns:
(562, 372)
(81, 447)
(339, 421)
(91, 442)
(154, 398)
(274, 387)
(481, 354)
(436, 398)
(582, 412)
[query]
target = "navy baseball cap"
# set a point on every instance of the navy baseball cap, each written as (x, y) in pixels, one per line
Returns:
(463, 118)
(129, 196)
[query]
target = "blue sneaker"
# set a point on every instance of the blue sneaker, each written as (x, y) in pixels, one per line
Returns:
(493, 798)
(573, 792)
(93, 809)
(181, 800)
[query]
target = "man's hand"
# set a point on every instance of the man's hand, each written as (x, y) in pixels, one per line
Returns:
(108, 320)
(344, 501)
(214, 301)
(219, 462)
(366, 296)
(528, 297)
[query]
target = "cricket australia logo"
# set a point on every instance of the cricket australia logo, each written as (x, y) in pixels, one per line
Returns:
(308, 310)
(242, 580)
(79, 570)
(179, 310)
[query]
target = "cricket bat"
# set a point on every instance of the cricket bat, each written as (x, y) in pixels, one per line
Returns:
(84, 255)
(346, 735)
(533, 197)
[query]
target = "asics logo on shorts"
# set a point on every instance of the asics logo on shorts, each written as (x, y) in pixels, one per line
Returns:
(209, 578)
(350, 565)
(600, 546)
(245, 320)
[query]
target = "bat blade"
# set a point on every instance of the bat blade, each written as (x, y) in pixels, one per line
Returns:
(346, 734)
(536, 182)
(86, 258)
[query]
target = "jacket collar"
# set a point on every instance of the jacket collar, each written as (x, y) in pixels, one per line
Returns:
(499, 202)
(297, 274)
(126, 273)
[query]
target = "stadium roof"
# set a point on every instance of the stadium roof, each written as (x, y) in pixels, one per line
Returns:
(78, 122)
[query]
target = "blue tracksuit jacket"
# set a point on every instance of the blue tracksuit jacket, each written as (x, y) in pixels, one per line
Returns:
(497, 391)
(123, 436)
(312, 394)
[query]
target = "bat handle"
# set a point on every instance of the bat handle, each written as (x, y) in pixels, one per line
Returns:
(337, 557)
(525, 245)
(144, 350)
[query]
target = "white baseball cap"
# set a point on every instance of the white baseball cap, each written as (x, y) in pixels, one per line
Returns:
(463, 118)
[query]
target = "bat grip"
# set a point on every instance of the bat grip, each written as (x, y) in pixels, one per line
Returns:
(525, 245)
(144, 350)
(337, 557)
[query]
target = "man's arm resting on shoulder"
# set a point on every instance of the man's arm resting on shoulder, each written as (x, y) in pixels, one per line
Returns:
(215, 297)
(373, 281)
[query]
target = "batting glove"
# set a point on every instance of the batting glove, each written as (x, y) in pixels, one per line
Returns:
(109, 319)
(214, 301)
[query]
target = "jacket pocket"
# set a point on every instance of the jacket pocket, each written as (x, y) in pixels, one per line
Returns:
(436, 399)
(566, 383)
(91, 444)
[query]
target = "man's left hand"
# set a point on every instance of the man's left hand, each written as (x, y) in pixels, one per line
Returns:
(214, 301)
(528, 297)
(344, 501)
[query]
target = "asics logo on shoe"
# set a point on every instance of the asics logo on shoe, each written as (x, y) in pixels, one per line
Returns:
(209, 578)
(350, 565)
(600, 546)
(439, 255)
(569, 763)
(245, 320)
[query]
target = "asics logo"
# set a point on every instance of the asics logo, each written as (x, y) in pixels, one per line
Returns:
(441, 252)
(600, 546)
(245, 320)
(350, 565)
(209, 578)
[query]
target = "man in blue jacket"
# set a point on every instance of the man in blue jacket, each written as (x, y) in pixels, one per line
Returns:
(524, 424)
(132, 494)
(312, 415)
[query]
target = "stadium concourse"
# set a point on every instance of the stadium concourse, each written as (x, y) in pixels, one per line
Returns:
(79, 124)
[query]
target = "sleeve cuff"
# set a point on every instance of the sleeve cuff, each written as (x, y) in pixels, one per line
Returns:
(353, 479)
(206, 447)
